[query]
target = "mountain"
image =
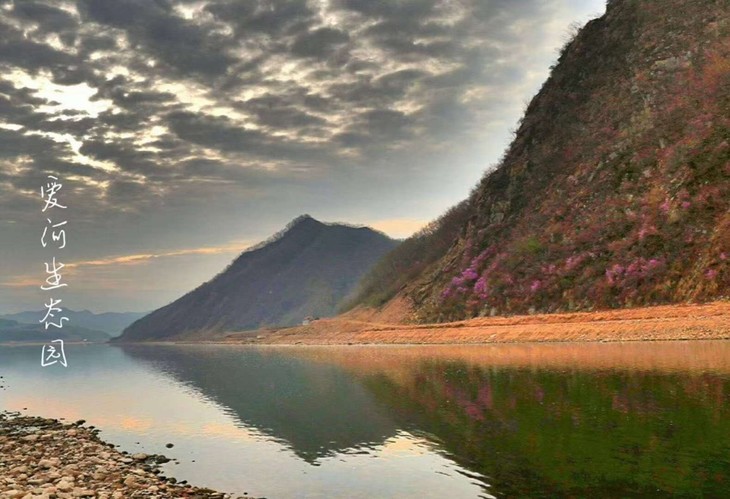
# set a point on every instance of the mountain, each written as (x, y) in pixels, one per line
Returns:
(615, 191)
(15, 331)
(109, 322)
(308, 269)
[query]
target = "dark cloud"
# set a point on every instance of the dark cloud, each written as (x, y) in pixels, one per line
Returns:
(125, 156)
(16, 50)
(406, 11)
(279, 112)
(270, 17)
(47, 17)
(216, 132)
(96, 42)
(154, 28)
(17, 143)
(223, 134)
(319, 43)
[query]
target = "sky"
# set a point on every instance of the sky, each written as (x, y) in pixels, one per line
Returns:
(184, 131)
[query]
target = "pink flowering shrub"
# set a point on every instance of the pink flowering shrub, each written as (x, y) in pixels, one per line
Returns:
(623, 200)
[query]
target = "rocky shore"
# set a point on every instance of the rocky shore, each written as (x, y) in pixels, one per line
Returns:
(47, 458)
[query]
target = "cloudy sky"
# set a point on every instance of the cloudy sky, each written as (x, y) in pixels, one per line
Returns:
(184, 131)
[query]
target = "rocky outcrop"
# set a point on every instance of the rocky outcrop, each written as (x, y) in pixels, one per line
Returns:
(615, 191)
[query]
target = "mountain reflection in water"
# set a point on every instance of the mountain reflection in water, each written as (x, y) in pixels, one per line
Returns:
(537, 420)
(316, 409)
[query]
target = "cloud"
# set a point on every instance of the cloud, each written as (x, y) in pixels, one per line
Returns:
(319, 43)
(233, 247)
(153, 27)
(74, 271)
(242, 114)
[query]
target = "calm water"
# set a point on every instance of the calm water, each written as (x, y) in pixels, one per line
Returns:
(618, 420)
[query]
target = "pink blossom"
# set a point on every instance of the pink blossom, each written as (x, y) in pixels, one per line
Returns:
(535, 286)
(469, 274)
(665, 206)
(549, 269)
(646, 230)
(711, 274)
(481, 288)
(614, 272)
(573, 261)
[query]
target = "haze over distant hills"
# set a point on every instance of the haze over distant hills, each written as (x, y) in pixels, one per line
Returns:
(108, 322)
(308, 269)
(614, 193)
(17, 332)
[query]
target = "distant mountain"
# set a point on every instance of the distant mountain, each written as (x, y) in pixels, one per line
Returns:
(615, 191)
(308, 269)
(109, 322)
(15, 331)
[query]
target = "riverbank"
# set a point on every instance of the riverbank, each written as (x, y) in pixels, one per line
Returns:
(47, 458)
(670, 322)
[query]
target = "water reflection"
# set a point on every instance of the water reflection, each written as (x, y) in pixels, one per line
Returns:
(607, 420)
(316, 409)
(643, 419)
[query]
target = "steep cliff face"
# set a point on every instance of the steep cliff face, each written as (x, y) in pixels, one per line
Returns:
(306, 270)
(616, 189)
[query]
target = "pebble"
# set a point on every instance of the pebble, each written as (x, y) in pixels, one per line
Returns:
(49, 459)
(64, 486)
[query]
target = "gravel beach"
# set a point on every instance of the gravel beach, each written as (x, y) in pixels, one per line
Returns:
(47, 458)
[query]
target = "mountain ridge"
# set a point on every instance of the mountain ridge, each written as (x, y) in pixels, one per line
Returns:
(307, 269)
(109, 322)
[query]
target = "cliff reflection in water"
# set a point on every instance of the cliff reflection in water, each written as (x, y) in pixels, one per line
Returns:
(533, 420)
(553, 420)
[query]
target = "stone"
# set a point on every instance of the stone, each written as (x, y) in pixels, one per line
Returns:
(83, 493)
(48, 463)
(64, 486)
(130, 481)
